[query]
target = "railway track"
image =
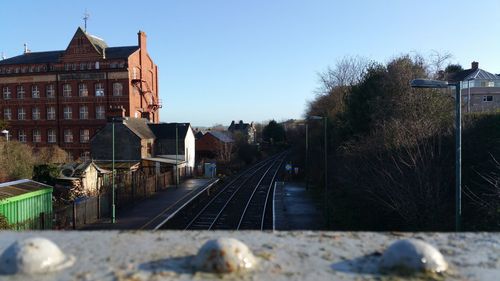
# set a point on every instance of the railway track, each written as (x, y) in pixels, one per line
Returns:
(243, 203)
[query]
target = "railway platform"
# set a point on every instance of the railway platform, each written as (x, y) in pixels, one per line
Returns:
(149, 212)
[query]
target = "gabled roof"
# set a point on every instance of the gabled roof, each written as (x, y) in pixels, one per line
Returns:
(120, 52)
(167, 130)
(139, 126)
(473, 74)
(222, 136)
(239, 126)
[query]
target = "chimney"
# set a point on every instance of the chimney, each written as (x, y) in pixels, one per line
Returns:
(474, 65)
(26, 50)
(141, 38)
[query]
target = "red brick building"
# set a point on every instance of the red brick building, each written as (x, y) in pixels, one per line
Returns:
(64, 97)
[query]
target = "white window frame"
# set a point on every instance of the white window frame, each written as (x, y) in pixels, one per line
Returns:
(35, 92)
(21, 113)
(50, 91)
(67, 90)
(7, 94)
(7, 114)
(51, 136)
(100, 112)
(51, 113)
(68, 113)
(99, 89)
(37, 135)
(68, 136)
(117, 89)
(84, 135)
(20, 92)
(21, 136)
(83, 91)
(84, 112)
(35, 113)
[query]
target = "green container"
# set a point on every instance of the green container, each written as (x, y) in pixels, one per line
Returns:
(26, 204)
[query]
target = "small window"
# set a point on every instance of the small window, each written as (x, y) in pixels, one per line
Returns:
(84, 112)
(37, 135)
(51, 136)
(50, 91)
(99, 90)
(487, 98)
(51, 113)
(6, 93)
(117, 89)
(20, 92)
(84, 135)
(35, 113)
(67, 90)
(68, 113)
(82, 90)
(21, 114)
(68, 136)
(7, 114)
(83, 66)
(35, 92)
(22, 135)
(100, 112)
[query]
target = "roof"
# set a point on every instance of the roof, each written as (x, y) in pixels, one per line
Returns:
(222, 136)
(34, 57)
(238, 126)
(166, 160)
(20, 187)
(139, 126)
(473, 74)
(119, 165)
(167, 130)
(120, 52)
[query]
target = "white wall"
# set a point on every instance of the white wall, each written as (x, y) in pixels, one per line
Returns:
(189, 150)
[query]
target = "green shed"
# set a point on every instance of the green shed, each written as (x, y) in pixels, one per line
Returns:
(26, 204)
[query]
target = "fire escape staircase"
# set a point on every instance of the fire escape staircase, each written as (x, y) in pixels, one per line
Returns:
(144, 89)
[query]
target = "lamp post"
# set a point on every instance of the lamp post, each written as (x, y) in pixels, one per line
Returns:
(325, 135)
(113, 217)
(176, 155)
(6, 133)
(436, 84)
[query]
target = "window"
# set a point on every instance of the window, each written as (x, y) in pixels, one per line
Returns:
(99, 90)
(117, 89)
(487, 98)
(68, 136)
(84, 135)
(83, 66)
(7, 114)
(85, 156)
(51, 136)
(35, 113)
(100, 112)
(89, 65)
(22, 136)
(6, 93)
(67, 113)
(37, 135)
(35, 92)
(82, 90)
(66, 90)
(21, 114)
(51, 113)
(20, 92)
(84, 112)
(50, 91)
(73, 66)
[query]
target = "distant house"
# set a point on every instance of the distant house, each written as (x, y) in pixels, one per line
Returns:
(480, 89)
(175, 141)
(247, 130)
(81, 179)
(215, 145)
(133, 140)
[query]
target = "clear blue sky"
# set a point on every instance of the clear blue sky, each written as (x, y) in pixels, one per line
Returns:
(257, 60)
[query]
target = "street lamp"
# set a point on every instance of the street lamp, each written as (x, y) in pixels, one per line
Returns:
(436, 84)
(325, 121)
(6, 133)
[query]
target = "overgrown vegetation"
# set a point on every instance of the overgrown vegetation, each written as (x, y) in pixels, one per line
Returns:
(392, 149)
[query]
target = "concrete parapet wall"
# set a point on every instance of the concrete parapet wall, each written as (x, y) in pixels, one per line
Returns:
(165, 255)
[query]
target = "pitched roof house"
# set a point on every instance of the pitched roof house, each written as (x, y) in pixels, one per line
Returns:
(216, 145)
(480, 89)
(246, 129)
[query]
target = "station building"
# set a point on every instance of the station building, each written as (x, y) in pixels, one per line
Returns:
(64, 97)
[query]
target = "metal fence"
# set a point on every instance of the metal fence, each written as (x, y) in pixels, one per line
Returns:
(129, 189)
